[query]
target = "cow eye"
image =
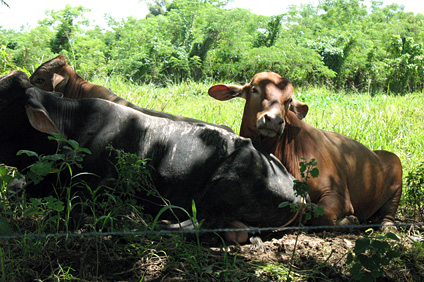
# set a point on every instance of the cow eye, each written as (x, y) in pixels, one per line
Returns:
(39, 81)
(254, 89)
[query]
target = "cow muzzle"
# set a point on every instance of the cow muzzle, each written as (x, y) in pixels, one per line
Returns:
(270, 124)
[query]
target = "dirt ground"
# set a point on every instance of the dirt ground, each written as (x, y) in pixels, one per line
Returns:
(315, 252)
(320, 256)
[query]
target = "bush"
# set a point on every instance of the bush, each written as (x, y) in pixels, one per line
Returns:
(414, 192)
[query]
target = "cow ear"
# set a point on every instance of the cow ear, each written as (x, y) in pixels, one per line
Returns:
(40, 120)
(225, 92)
(299, 108)
(62, 58)
(59, 82)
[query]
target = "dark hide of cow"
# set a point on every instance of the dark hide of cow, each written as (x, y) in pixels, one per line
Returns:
(56, 75)
(354, 183)
(16, 132)
(228, 179)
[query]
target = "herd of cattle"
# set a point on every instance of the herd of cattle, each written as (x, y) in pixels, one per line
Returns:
(235, 181)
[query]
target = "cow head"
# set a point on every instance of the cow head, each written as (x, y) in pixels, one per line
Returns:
(12, 94)
(269, 98)
(16, 82)
(51, 75)
(18, 118)
(17, 93)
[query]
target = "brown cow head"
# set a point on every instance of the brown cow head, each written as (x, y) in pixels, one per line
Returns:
(269, 98)
(51, 75)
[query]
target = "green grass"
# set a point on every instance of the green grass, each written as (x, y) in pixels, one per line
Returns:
(393, 123)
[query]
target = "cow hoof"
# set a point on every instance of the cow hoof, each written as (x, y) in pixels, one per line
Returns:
(348, 220)
(239, 237)
(388, 226)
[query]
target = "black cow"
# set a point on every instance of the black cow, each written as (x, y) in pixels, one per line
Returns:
(228, 179)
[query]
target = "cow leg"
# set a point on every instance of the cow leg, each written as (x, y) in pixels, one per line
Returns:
(348, 220)
(337, 211)
(393, 186)
(386, 214)
(237, 236)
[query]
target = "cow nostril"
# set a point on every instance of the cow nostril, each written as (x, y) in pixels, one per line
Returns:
(267, 118)
(281, 122)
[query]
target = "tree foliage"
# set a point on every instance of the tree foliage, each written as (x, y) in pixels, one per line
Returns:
(338, 43)
(4, 3)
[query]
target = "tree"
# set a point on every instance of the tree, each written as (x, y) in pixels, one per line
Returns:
(268, 36)
(64, 23)
(4, 3)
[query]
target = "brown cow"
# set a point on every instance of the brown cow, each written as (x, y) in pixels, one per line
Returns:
(354, 183)
(56, 75)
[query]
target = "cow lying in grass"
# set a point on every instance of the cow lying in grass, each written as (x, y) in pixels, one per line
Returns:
(231, 183)
(56, 75)
(354, 183)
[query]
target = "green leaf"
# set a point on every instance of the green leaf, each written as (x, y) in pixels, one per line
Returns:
(376, 273)
(30, 211)
(392, 236)
(28, 153)
(318, 211)
(392, 254)
(380, 246)
(73, 143)
(314, 172)
(5, 227)
(356, 269)
(368, 263)
(349, 258)
(308, 216)
(85, 150)
(3, 171)
(194, 209)
(54, 157)
(42, 168)
(283, 204)
(367, 278)
(361, 245)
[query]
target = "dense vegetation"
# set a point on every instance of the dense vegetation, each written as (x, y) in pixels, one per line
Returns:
(380, 122)
(339, 43)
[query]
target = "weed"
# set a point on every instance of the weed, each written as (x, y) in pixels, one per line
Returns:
(57, 163)
(414, 193)
(307, 170)
(370, 255)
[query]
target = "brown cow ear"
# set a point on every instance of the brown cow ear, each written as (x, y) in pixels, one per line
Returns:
(299, 108)
(62, 58)
(225, 92)
(40, 120)
(59, 82)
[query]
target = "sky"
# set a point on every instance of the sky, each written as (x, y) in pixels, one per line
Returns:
(26, 13)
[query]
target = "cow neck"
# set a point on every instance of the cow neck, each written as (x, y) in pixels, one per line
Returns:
(248, 126)
(288, 147)
(63, 112)
(77, 87)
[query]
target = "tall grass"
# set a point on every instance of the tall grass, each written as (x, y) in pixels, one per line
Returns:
(393, 123)
(380, 122)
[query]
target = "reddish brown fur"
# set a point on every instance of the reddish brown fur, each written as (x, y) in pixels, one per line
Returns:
(56, 75)
(354, 182)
